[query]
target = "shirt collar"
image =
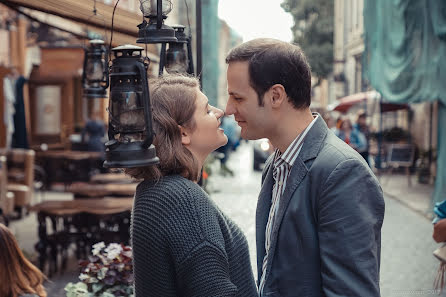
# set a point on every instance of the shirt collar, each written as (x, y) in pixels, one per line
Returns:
(293, 150)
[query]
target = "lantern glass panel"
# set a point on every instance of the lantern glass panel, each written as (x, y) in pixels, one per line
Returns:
(128, 110)
(176, 59)
(148, 7)
(95, 70)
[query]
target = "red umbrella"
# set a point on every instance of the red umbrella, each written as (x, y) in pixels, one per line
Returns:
(345, 103)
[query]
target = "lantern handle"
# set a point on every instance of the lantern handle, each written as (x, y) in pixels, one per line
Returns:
(84, 75)
(159, 14)
(146, 99)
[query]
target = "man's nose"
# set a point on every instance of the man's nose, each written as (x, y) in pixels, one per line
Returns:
(229, 107)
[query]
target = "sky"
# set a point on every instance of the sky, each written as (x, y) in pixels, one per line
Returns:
(257, 18)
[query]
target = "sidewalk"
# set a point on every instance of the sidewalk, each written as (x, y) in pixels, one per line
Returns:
(417, 196)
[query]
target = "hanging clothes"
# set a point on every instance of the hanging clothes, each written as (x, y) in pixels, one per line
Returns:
(9, 110)
(19, 138)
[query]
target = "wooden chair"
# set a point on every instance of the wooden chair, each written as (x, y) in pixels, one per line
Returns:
(20, 163)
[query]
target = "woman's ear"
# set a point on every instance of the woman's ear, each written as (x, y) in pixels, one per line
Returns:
(185, 136)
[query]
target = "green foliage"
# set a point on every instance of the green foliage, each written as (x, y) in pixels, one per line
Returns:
(313, 31)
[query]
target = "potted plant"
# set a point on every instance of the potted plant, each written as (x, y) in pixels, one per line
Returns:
(108, 272)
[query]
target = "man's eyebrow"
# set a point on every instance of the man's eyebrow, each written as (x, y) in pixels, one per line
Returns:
(232, 93)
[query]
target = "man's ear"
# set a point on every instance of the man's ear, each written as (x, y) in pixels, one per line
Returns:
(278, 95)
(185, 136)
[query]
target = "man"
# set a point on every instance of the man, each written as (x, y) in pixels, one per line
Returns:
(320, 209)
(363, 131)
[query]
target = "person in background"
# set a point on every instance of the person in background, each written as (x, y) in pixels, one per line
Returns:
(18, 276)
(183, 245)
(230, 128)
(93, 133)
(361, 128)
(330, 122)
(352, 137)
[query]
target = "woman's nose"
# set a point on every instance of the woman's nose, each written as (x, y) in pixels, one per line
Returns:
(218, 112)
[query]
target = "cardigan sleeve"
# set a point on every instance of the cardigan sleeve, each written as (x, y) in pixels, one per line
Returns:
(205, 272)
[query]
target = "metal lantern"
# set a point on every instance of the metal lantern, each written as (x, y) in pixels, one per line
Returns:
(130, 126)
(95, 79)
(177, 59)
(155, 31)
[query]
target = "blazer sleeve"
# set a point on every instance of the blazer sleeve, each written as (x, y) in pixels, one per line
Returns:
(350, 214)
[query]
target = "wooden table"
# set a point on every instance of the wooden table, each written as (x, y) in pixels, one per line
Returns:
(114, 178)
(68, 166)
(91, 190)
(82, 222)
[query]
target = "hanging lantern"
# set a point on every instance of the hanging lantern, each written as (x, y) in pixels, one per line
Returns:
(95, 79)
(130, 126)
(155, 31)
(177, 60)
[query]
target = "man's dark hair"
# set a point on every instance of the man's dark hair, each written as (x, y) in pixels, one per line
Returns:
(273, 62)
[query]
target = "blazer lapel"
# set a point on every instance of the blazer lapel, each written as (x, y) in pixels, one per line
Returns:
(297, 174)
(310, 149)
(262, 213)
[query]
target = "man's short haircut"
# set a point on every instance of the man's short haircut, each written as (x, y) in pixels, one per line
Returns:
(273, 62)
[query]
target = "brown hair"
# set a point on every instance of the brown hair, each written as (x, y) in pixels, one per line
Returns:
(173, 99)
(273, 62)
(17, 275)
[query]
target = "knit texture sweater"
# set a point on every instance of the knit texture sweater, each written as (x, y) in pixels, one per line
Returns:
(183, 245)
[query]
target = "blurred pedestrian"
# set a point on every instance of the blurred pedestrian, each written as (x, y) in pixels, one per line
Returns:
(93, 133)
(330, 122)
(183, 245)
(229, 126)
(361, 128)
(18, 276)
(352, 137)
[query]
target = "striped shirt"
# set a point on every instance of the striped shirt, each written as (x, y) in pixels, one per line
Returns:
(281, 169)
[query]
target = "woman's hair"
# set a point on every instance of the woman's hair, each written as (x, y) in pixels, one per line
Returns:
(347, 122)
(173, 99)
(17, 275)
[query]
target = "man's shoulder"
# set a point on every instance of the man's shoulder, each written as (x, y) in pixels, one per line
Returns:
(335, 151)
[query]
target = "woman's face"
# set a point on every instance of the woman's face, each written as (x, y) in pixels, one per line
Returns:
(207, 135)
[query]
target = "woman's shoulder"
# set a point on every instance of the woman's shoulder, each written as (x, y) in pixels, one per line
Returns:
(169, 183)
(172, 191)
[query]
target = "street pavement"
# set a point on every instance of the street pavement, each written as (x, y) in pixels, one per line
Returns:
(407, 265)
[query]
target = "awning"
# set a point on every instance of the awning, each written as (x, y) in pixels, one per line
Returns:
(81, 11)
(125, 30)
(345, 103)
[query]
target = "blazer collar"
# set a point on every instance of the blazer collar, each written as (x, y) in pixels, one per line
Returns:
(314, 139)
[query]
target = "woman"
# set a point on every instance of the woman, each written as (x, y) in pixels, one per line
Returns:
(352, 137)
(18, 276)
(183, 245)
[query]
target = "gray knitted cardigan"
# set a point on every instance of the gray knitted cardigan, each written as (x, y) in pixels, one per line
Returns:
(183, 245)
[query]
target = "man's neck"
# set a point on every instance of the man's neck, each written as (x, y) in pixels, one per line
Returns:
(289, 127)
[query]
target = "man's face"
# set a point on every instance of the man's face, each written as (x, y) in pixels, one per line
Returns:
(243, 103)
